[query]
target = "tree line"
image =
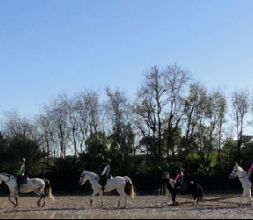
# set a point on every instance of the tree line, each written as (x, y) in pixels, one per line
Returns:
(173, 121)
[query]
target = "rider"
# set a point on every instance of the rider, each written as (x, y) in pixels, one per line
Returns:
(105, 171)
(21, 173)
(179, 178)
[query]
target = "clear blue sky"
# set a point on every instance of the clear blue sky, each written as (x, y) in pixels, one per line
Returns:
(52, 46)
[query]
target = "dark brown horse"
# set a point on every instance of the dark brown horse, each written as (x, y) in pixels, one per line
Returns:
(176, 188)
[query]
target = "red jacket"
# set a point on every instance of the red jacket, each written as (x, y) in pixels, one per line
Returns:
(251, 169)
(181, 174)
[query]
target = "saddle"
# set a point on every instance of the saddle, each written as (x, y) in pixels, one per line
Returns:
(103, 181)
(22, 180)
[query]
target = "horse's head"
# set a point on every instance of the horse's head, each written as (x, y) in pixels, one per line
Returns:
(237, 169)
(166, 176)
(83, 179)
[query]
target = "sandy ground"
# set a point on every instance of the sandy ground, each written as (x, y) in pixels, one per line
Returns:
(151, 207)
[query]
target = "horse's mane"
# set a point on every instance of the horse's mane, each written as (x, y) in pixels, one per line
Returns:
(241, 169)
(6, 174)
(90, 173)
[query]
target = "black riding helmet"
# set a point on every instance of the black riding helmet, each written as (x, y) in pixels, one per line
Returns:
(23, 160)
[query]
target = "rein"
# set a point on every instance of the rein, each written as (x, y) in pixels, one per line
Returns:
(242, 177)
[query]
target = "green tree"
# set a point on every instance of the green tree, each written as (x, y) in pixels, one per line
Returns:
(22, 147)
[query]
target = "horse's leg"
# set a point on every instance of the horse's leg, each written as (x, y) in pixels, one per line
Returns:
(38, 202)
(122, 195)
(174, 198)
(91, 203)
(101, 199)
(250, 199)
(38, 192)
(126, 200)
(92, 198)
(119, 202)
(120, 198)
(16, 199)
(13, 203)
(243, 195)
(43, 196)
(44, 204)
(246, 196)
(15, 196)
(197, 201)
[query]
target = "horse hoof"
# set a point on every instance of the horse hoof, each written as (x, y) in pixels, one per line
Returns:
(176, 204)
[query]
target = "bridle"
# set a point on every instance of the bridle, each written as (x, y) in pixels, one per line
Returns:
(240, 177)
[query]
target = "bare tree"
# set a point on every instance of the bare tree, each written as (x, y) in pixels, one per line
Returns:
(118, 109)
(218, 109)
(196, 105)
(241, 104)
(46, 132)
(58, 114)
(145, 121)
(15, 125)
(176, 81)
(149, 107)
(72, 115)
(88, 109)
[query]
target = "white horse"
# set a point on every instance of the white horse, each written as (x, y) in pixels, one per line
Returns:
(244, 178)
(121, 184)
(39, 186)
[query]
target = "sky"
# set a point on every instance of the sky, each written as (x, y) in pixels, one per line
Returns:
(50, 47)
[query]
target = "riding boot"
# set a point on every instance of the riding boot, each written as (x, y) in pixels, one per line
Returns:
(19, 187)
(103, 189)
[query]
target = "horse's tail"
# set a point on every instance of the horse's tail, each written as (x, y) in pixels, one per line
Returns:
(129, 188)
(48, 190)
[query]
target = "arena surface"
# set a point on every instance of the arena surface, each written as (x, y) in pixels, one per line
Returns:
(151, 207)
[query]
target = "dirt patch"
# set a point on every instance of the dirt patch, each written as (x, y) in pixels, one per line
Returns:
(144, 207)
